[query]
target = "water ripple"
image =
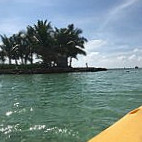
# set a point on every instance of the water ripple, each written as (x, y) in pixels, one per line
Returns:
(70, 107)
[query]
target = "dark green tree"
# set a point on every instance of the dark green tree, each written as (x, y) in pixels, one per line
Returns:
(2, 56)
(43, 41)
(54, 47)
(23, 46)
(69, 43)
(7, 47)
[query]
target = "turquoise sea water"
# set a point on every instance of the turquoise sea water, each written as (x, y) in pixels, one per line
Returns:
(70, 107)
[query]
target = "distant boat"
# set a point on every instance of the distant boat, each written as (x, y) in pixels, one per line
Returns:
(136, 67)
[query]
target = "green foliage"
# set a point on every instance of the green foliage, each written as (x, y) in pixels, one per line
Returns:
(20, 67)
(55, 47)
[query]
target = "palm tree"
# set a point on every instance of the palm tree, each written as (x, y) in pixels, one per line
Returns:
(15, 55)
(42, 41)
(77, 42)
(14, 51)
(43, 34)
(24, 47)
(2, 56)
(31, 41)
(7, 47)
(21, 47)
(55, 47)
(69, 44)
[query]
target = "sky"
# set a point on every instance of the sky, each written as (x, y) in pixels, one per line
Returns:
(113, 27)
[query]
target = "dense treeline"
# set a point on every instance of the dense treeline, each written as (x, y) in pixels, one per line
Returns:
(55, 47)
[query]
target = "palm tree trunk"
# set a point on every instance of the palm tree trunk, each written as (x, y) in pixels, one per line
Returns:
(31, 60)
(70, 63)
(9, 61)
(62, 61)
(16, 62)
(25, 59)
(22, 60)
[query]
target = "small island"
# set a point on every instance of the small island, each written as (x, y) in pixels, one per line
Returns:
(43, 49)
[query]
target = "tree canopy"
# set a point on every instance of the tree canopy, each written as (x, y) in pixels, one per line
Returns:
(55, 47)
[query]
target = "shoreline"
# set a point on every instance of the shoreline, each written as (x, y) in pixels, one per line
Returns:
(50, 70)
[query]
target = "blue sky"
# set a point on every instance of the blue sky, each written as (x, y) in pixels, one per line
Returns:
(113, 27)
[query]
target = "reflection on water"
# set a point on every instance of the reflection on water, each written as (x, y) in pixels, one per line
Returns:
(69, 107)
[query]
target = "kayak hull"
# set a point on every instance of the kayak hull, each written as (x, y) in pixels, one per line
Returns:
(127, 129)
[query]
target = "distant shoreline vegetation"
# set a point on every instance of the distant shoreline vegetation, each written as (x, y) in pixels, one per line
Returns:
(52, 46)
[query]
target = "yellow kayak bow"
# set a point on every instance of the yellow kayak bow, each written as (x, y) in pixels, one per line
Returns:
(127, 129)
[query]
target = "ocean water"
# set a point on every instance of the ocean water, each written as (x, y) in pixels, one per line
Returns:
(68, 107)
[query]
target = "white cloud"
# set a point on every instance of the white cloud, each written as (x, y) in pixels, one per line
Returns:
(126, 4)
(118, 59)
(132, 57)
(109, 61)
(116, 10)
(140, 59)
(122, 57)
(137, 50)
(92, 45)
